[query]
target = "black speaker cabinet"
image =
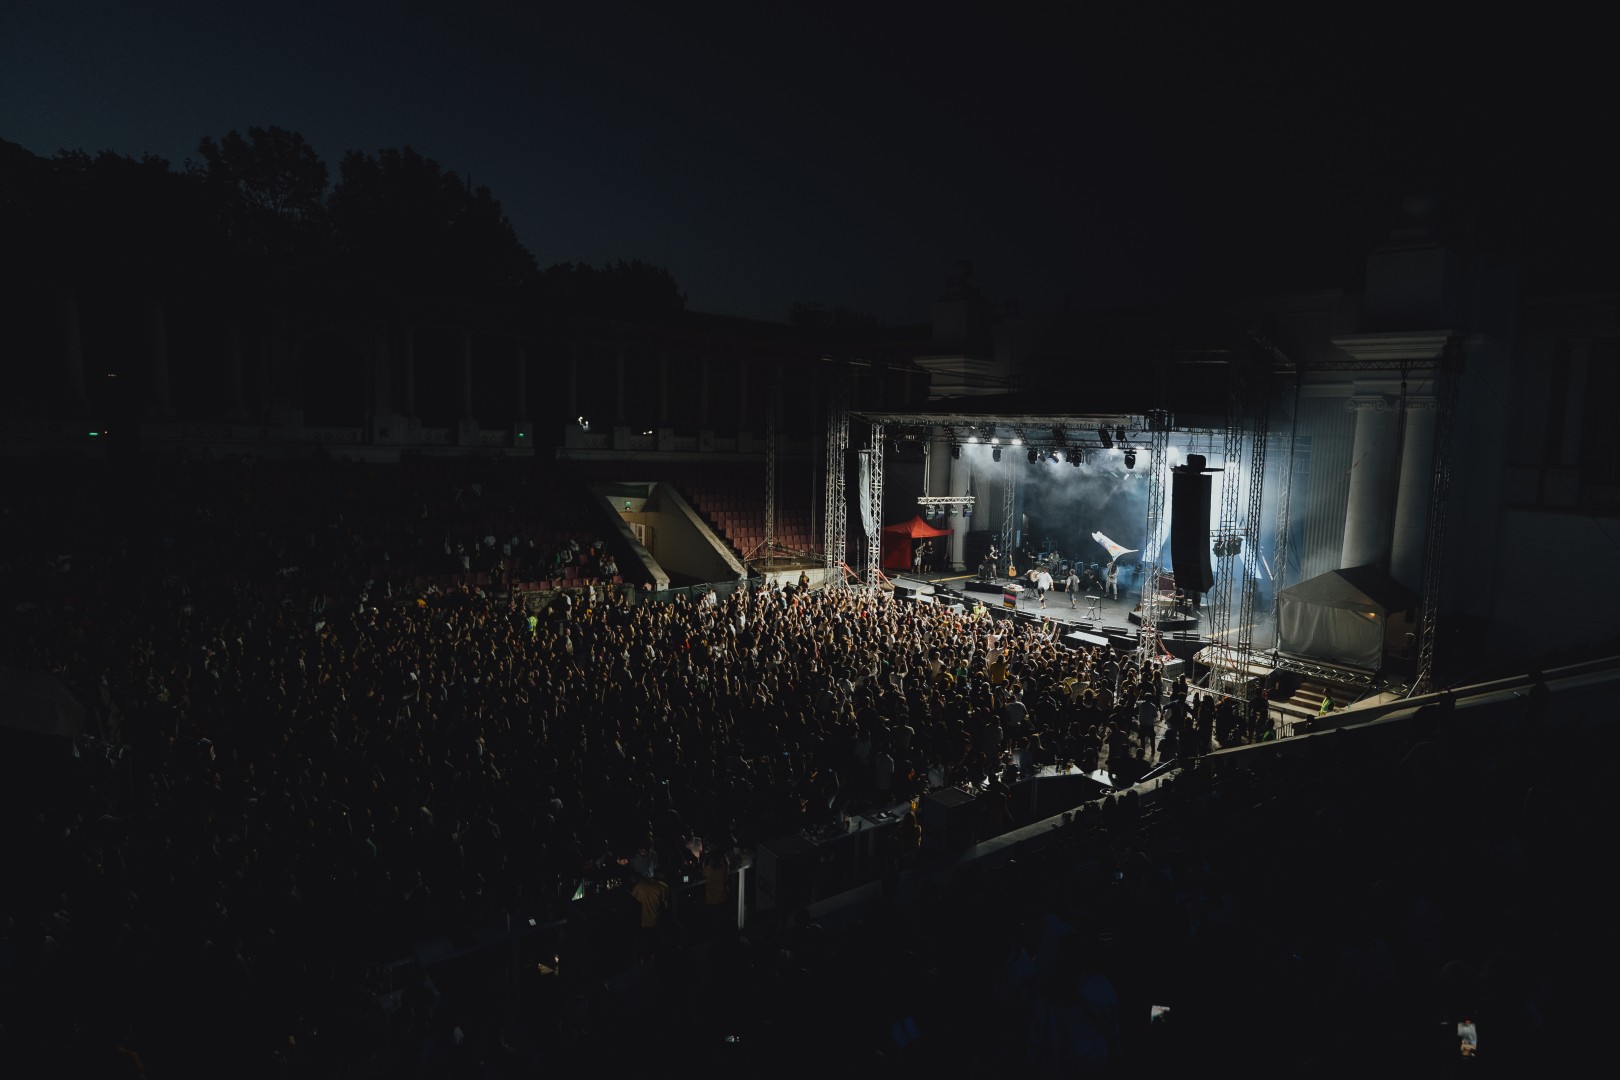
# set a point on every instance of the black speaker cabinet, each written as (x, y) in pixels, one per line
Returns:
(947, 820)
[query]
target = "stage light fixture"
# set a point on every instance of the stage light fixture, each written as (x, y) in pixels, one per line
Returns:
(1119, 433)
(1033, 456)
(956, 451)
(1074, 458)
(1130, 459)
(995, 453)
(1107, 439)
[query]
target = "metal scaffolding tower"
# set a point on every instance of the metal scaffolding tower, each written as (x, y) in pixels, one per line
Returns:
(1236, 535)
(1147, 643)
(773, 418)
(768, 549)
(1222, 638)
(873, 571)
(1448, 379)
(835, 526)
(1009, 509)
(1279, 573)
(1259, 432)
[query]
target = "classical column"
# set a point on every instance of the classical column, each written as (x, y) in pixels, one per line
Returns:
(703, 393)
(238, 410)
(522, 387)
(1412, 495)
(74, 354)
(466, 375)
(162, 403)
(618, 384)
(1580, 361)
(573, 381)
(408, 376)
(282, 403)
(1372, 459)
(382, 389)
(663, 388)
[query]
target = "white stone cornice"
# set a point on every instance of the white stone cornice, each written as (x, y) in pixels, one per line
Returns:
(1406, 345)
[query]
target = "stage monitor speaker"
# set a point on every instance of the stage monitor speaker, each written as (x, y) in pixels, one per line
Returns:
(602, 931)
(1189, 530)
(784, 873)
(837, 864)
(947, 820)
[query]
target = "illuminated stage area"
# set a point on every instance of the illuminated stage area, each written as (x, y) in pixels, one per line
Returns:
(1095, 507)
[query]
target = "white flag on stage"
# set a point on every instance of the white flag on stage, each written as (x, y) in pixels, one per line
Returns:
(1114, 550)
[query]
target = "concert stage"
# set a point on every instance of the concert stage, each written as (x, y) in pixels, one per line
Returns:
(1089, 620)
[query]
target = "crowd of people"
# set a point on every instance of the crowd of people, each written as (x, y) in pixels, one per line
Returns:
(316, 769)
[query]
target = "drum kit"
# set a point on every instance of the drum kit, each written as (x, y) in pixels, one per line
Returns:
(1050, 561)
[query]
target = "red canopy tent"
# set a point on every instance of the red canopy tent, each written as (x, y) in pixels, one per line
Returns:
(897, 541)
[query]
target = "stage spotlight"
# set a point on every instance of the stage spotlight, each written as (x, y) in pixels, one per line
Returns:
(956, 451)
(1034, 455)
(1074, 458)
(1119, 433)
(1130, 459)
(1107, 439)
(995, 453)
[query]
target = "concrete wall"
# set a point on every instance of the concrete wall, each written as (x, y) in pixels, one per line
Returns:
(680, 541)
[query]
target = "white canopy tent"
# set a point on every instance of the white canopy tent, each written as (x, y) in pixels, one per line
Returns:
(1351, 617)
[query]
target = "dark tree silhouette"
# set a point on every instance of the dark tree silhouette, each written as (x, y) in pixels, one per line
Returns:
(413, 227)
(77, 218)
(622, 289)
(269, 190)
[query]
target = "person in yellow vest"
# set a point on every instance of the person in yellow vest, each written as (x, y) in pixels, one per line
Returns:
(653, 895)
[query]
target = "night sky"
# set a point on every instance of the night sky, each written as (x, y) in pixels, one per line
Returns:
(767, 154)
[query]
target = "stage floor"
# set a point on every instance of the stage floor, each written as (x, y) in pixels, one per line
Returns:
(1183, 631)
